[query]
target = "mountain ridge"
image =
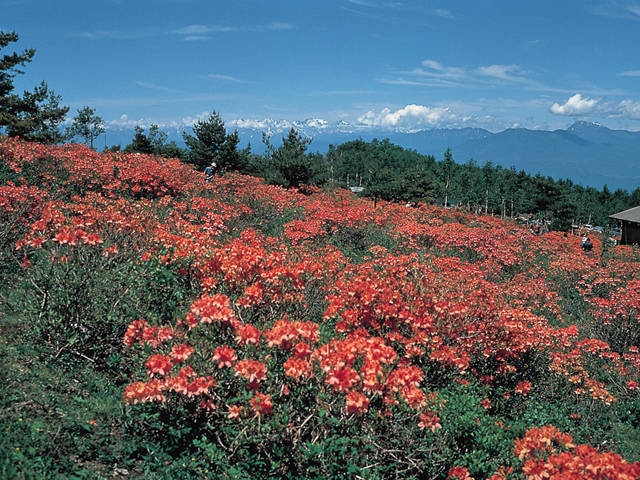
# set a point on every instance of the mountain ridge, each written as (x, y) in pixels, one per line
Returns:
(588, 154)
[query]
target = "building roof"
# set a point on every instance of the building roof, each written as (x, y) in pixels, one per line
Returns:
(631, 215)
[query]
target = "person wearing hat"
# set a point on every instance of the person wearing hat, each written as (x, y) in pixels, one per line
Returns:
(210, 171)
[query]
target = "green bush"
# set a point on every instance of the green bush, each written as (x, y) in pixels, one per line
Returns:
(355, 242)
(79, 301)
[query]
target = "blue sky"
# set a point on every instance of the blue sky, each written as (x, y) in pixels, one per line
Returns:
(398, 64)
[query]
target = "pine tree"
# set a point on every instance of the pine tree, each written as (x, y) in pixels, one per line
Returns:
(35, 115)
(87, 125)
(140, 143)
(211, 143)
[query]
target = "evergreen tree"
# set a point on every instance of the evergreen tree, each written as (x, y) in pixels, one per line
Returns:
(140, 142)
(34, 116)
(447, 173)
(9, 68)
(154, 142)
(158, 138)
(289, 165)
(86, 124)
(211, 143)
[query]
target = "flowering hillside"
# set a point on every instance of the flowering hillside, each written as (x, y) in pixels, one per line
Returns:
(259, 332)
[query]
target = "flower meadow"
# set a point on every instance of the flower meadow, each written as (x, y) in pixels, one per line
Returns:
(252, 331)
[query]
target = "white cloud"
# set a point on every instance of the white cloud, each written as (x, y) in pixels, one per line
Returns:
(436, 69)
(503, 72)
(443, 13)
(249, 123)
(124, 122)
(202, 32)
(226, 78)
(617, 9)
(198, 29)
(434, 73)
(275, 26)
(630, 73)
(575, 106)
(628, 109)
(113, 35)
(409, 117)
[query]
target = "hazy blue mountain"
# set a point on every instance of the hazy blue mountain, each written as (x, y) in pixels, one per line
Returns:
(587, 153)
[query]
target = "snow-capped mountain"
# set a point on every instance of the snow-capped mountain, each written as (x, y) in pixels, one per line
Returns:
(587, 153)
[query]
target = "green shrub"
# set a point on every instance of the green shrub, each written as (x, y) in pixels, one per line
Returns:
(79, 301)
(355, 242)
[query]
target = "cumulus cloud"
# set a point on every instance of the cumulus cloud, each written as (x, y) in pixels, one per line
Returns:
(409, 117)
(125, 122)
(576, 105)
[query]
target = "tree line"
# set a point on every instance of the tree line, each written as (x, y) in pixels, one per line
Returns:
(380, 169)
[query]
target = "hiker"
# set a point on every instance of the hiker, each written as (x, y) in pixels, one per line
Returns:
(210, 171)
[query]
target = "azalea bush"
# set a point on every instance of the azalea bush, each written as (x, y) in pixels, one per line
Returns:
(262, 332)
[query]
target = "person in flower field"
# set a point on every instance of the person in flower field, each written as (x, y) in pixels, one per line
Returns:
(210, 171)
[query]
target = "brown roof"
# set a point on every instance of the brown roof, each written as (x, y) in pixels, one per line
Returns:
(631, 215)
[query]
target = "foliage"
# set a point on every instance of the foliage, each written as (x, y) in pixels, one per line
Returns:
(289, 165)
(140, 143)
(211, 143)
(86, 124)
(37, 114)
(161, 326)
(153, 142)
(385, 170)
(389, 172)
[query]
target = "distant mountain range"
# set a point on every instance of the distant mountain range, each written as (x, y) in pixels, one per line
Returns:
(587, 153)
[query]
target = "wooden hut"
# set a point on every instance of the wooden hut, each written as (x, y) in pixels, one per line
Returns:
(630, 225)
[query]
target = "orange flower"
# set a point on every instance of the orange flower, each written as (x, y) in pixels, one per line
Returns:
(459, 473)
(485, 403)
(356, 403)
(180, 353)
(200, 386)
(523, 388)
(535, 470)
(252, 370)
(247, 334)
(342, 379)
(297, 368)
(431, 421)
(180, 382)
(160, 364)
(225, 356)
(234, 411)
(144, 392)
(261, 404)
(211, 308)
